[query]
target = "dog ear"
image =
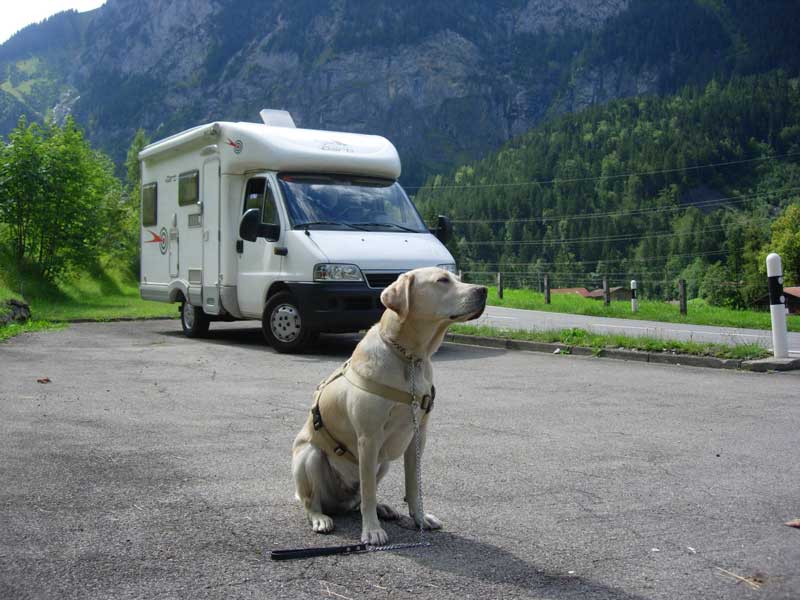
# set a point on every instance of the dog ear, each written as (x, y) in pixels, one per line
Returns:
(397, 297)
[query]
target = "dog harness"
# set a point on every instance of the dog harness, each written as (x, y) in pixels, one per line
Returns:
(322, 438)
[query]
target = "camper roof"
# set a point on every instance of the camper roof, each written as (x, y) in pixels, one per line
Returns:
(246, 147)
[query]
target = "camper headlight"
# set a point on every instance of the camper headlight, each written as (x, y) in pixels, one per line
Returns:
(336, 272)
(449, 267)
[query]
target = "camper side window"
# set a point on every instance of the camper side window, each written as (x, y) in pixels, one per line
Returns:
(254, 194)
(259, 195)
(189, 188)
(150, 204)
(269, 215)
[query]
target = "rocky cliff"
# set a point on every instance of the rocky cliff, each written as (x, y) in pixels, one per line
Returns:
(447, 80)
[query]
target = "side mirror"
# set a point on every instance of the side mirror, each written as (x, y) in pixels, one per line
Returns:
(251, 228)
(444, 229)
(249, 225)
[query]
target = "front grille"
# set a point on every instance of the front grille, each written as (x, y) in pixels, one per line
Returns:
(381, 280)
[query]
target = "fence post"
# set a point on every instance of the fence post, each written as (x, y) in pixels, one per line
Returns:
(634, 299)
(546, 288)
(777, 306)
(460, 275)
(606, 292)
(682, 295)
(500, 285)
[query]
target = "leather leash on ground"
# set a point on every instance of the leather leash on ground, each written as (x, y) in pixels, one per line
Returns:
(333, 550)
(418, 517)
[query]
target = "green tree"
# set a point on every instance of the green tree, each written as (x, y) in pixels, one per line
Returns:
(786, 242)
(131, 206)
(22, 184)
(58, 197)
(716, 288)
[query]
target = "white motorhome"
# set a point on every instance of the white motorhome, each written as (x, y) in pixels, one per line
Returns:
(298, 228)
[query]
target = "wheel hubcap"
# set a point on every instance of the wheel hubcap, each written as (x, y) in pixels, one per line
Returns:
(188, 315)
(285, 323)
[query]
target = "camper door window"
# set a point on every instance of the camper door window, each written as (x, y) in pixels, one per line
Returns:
(347, 202)
(258, 194)
(189, 188)
(150, 205)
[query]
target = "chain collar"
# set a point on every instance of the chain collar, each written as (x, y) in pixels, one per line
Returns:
(401, 350)
(413, 362)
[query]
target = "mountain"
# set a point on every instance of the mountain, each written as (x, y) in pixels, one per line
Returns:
(447, 80)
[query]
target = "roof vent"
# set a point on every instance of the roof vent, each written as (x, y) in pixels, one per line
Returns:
(277, 118)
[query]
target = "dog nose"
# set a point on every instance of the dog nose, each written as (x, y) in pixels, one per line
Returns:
(483, 292)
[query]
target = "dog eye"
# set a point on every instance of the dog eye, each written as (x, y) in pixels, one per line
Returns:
(443, 280)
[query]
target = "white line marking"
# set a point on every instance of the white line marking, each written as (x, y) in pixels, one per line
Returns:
(687, 331)
(622, 326)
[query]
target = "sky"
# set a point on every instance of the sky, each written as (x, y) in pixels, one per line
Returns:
(16, 14)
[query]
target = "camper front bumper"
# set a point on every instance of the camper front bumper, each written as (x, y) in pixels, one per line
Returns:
(338, 306)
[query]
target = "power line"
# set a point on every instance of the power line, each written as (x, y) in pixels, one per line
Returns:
(443, 188)
(639, 211)
(613, 260)
(615, 238)
(588, 274)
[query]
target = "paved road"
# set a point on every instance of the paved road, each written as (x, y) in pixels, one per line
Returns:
(153, 466)
(513, 318)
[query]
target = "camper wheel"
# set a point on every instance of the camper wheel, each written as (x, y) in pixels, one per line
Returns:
(193, 320)
(282, 324)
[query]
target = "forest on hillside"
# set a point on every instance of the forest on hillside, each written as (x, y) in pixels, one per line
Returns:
(698, 185)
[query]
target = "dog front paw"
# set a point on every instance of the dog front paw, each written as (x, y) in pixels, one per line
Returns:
(374, 537)
(429, 522)
(321, 523)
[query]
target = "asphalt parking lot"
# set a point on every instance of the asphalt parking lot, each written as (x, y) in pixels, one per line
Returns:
(154, 466)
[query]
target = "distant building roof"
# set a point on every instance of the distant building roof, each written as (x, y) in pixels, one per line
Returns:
(580, 291)
(598, 293)
(792, 291)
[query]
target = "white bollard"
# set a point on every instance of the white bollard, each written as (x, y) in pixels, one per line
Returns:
(777, 306)
(634, 300)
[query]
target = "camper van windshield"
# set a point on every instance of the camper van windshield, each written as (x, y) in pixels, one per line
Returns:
(344, 202)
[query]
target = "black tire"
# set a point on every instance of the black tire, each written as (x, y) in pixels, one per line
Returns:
(283, 327)
(194, 321)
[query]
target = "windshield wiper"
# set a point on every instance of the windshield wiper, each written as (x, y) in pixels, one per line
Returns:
(400, 227)
(311, 223)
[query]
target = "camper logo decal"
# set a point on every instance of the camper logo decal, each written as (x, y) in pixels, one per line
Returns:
(237, 146)
(336, 146)
(159, 238)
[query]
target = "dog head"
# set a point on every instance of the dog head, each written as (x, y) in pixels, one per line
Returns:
(433, 294)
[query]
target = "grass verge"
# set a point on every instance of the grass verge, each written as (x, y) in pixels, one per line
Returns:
(97, 299)
(595, 341)
(15, 329)
(699, 311)
(100, 294)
